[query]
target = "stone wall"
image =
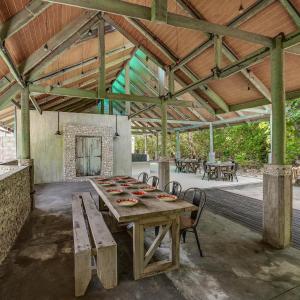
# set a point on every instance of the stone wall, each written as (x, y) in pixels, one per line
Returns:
(14, 205)
(7, 148)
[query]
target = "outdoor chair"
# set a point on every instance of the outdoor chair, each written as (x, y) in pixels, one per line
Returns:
(178, 165)
(189, 223)
(229, 174)
(143, 177)
(173, 188)
(154, 180)
(209, 171)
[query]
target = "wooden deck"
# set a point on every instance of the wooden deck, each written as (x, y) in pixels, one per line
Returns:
(245, 210)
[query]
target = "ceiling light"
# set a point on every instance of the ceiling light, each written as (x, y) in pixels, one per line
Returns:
(90, 32)
(46, 48)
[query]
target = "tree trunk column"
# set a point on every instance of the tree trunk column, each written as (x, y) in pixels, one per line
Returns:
(24, 159)
(277, 178)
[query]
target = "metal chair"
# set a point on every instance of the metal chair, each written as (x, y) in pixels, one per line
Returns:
(189, 223)
(154, 179)
(229, 174)
(143, 177)
(173, 188)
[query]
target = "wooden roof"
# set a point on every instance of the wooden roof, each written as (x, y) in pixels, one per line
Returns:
(76, 65)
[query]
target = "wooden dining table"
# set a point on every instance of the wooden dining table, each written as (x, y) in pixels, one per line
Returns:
(219, 165)
(149, 212)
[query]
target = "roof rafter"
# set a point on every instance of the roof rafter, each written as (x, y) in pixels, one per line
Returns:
(144, 13)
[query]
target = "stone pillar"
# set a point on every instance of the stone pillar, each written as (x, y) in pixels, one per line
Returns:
(270, 154)
(277, 191)
(178, 154)
(277, 197)
(211, 156)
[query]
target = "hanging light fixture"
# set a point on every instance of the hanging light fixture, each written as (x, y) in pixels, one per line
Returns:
(90, 32)
(46, 48)
(116, 133)
(58, 132)
(241, 8)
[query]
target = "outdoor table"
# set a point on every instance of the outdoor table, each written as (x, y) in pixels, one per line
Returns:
(189, 164)
(149, 212)
(219, 166)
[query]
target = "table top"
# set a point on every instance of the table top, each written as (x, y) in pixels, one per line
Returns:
(148, 207)
(220, 164)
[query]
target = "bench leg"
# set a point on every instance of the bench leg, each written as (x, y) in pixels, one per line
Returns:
(83, 272)
(107, 266)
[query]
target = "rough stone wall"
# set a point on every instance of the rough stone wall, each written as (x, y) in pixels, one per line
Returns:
(14, 205)
(70, 133)
(7, 148)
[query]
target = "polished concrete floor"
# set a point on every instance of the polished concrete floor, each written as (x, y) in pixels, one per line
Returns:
(237, 265)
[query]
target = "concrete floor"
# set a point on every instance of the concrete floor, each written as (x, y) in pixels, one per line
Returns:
(236, 264)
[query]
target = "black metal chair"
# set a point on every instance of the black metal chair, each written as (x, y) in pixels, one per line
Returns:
(189, 223)
(154, 181)
(173, 188)
(143, 177)
(229, 174)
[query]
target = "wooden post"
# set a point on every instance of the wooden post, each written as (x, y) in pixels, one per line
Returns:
(277, 190)
(211, 156)
(178, 154)
(101, 79)
(25, 124)
(218, 51)
(127, 88)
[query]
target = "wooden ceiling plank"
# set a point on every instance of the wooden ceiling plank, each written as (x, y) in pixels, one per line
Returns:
(32, 10)
(40, 59)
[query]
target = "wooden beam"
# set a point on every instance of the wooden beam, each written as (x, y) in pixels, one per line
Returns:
(159, 10)
(32, 10)
(292, 11)
(169, 121)
(86, 94)
(101, 37)
(166, 51)
(4, 54)
(35, 104)
(144, 13)
(8, 95)
(218, 51)
(141, 111)
(227, 51)
(250, 60)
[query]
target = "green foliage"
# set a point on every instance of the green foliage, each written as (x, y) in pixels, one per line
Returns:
(248, 144)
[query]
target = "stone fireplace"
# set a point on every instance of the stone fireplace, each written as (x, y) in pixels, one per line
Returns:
(88, 151)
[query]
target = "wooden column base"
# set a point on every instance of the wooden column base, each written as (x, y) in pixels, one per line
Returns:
(163, 173)
(277, 197)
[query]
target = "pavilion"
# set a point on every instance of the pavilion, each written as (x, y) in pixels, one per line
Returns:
(114, 68)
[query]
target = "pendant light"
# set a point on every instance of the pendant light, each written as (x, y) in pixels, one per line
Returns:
(58, 132)
(116, 133)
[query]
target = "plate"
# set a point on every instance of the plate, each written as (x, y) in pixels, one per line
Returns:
(126, 185)
(167, 198)
(149, 189)
(127, 202)
(139, 193)
(107, 183)
(114, 192)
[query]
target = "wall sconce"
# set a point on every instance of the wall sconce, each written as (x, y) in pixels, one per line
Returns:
(58, 132)
(116, 133)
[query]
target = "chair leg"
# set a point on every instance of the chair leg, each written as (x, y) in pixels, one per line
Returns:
(183, 236)
(198, 243)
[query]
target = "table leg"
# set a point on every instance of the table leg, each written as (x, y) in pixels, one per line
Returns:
(142, 262)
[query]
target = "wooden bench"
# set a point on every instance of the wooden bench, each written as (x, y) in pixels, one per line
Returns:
(92, 241)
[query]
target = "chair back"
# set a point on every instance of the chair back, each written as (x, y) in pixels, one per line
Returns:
(173, 188)
(204, 165)
(143, 177)
(154, 180)
(236, 165)
(198, 198)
